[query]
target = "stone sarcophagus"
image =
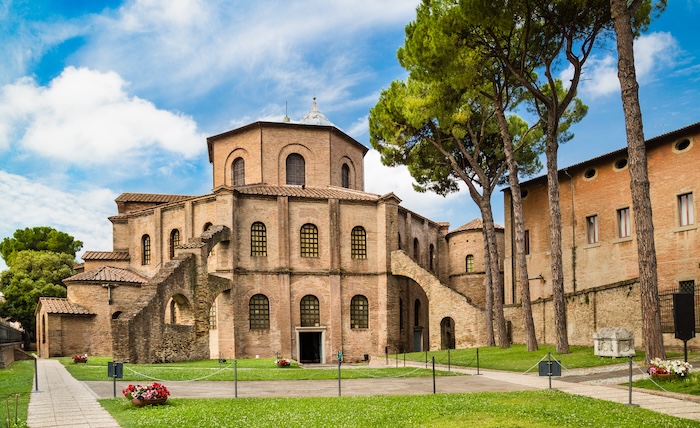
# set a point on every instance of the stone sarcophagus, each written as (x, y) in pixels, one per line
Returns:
(613, 342)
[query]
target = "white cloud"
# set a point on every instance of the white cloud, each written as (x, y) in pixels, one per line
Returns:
(85, 116)
(457, 208)
(81, 213)
(653, 53)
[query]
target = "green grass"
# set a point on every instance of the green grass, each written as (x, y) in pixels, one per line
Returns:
(688, 385)
(537, 409)
(247, 369)
(517, 358)
(15, 386)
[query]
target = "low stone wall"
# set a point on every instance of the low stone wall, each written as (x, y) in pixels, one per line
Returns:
(7, 353)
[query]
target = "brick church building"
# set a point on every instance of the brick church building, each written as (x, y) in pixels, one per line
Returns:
(288, 255)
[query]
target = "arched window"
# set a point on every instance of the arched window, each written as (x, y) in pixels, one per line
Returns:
(145, 250)
(296, 170)
(470, 263)
(416, 313)
(43, 328)
(310, 311)
(345, 176)
(358, 243)
(432, 251)
(258, 240)
(238, 172)
(116, 315)
(174, 241)
(207, 226)
(309, 240)
(259, 312)
(359, 312)
(416, 250)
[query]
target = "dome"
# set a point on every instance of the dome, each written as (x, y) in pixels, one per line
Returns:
(315, 117)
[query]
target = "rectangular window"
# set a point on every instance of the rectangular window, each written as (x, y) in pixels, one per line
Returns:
(592, 229)
(685, 209)
(212, 316)
(624, 229)
(527, 242)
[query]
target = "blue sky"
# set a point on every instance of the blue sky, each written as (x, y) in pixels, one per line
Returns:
(101, 98)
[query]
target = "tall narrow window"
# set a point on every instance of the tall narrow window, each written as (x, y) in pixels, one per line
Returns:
(258, 240)
(239, 172)
(296, 170)
(527, 242)
(416, 250)
(259, 312)
(416, 313)
(145, 250)
(310, 311)
(624, 228)
(685, 209)
(173, 311)
(345, 176)
(592, 229)
(309, 240)
(432, 250)
(400, 314)
(359, 312)
(470, 263)
(212, 316)
(358, 243)
(399, 241)
(174, 241)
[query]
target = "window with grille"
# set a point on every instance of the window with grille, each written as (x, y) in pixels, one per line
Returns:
(258, 240)
(296, 170)
(309, 240)
(358, 243)
(212, 316)
(259, 312)
(145, 250)
(527, 242)
(310, 311)
(345, 176)
(470, 263)
(174, 241)
(592, 229)
(685, 209)
(359, 312)
(686, 286)
(624, 228)
(239, 172)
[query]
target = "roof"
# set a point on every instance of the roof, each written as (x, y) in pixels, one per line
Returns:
(61, 305)
(106, 255)
(315, 117)
(151, 198)
(307, 192)
(476, 224)
(108, 274)
(658, 140)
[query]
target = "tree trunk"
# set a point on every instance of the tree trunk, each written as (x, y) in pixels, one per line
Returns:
(488, 304)
(639, 182)
(552, 145)
(522, 281)
(496, 278)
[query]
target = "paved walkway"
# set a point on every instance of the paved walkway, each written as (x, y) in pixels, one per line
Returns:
(67, 402)
(63, 401)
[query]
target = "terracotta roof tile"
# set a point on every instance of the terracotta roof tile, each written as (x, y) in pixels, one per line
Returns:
(106, 255)
(108, 274)
(58, 305)
(307, 192)
(476, 224)
(150, 197)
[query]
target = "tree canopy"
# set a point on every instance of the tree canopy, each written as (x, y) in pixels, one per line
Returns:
(41, 238)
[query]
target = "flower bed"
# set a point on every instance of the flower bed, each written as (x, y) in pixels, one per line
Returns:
(283, 362)
(80, 358)
(674, 368)
(141, 395)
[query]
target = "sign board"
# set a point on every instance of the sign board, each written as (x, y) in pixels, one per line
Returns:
(550, 368)
(115, 370)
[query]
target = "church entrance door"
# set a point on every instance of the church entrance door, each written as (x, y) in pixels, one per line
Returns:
(310, 347)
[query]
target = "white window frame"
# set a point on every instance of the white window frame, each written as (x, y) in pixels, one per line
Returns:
(624, 225)
(592, 229)
(686, 212)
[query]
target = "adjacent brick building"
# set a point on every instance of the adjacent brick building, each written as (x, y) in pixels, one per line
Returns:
(287, 256)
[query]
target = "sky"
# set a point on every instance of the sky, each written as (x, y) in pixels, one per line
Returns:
(98, 98)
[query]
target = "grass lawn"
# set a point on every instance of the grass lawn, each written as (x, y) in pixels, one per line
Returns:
(15, 380)
(538, 409)
(247, 369)
(688, 385)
